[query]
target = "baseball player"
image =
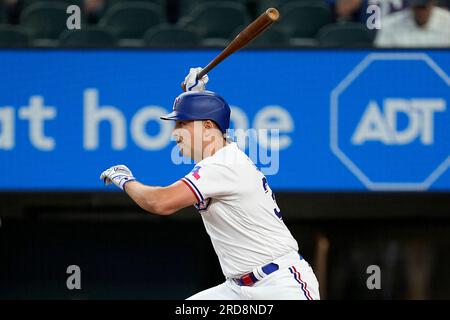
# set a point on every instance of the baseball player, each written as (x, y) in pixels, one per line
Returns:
(258, 255)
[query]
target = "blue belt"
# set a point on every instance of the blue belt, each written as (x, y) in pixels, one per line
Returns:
(250, 279)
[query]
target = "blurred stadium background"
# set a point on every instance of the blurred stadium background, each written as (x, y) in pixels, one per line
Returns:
(54, 213)
(181, 23)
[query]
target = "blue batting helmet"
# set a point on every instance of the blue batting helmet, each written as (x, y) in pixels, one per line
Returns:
(203, 105)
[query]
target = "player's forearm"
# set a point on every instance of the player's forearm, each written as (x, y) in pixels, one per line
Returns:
(151, 199)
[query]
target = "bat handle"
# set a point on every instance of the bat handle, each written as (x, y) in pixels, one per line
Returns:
(199, 76)
(203, 72)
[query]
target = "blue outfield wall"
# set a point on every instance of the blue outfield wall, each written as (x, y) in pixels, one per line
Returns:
(348, 120)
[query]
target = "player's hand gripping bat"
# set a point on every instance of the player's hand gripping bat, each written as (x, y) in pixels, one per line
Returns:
(253, 30)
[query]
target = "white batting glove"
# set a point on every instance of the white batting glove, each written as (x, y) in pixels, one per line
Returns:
(191, 82)
(119, 175)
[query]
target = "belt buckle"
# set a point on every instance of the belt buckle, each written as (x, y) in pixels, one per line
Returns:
(250, 279)
(246, 280)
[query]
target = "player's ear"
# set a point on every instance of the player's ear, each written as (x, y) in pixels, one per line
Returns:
(208, 124)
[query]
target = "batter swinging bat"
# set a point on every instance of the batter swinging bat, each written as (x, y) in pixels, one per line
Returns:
(253, 30)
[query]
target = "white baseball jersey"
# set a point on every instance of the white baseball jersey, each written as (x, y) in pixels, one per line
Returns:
(239, 211)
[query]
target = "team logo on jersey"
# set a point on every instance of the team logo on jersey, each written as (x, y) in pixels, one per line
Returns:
(195, 172)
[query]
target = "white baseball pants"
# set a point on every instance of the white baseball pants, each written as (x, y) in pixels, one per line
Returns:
(294, 280)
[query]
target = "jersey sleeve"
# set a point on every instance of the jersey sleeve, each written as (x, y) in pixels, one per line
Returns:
(211, 181)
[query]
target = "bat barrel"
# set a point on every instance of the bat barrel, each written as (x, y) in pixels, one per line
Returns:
(254, 29)
(273, 14)
(261, 23)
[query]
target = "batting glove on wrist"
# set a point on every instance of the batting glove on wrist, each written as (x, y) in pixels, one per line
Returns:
(119, 175)
(191, 82)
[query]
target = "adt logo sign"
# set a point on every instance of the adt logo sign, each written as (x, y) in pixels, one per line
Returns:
(390, 121)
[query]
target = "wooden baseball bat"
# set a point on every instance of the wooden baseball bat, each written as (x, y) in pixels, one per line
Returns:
(253, 30)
